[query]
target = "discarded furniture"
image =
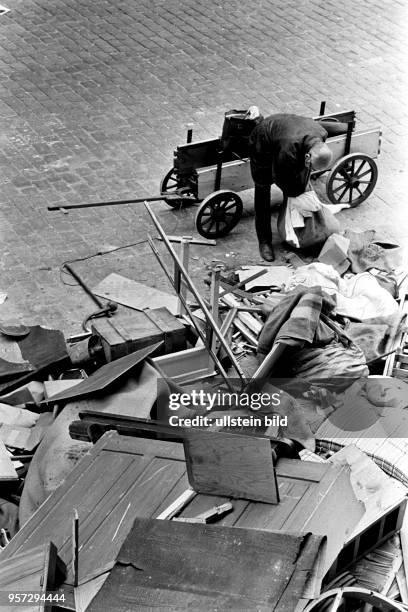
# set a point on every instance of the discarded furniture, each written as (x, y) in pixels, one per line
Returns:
(130, 330)
(179, 566)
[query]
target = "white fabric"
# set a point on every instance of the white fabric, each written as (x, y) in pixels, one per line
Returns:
(297, 210)
(359, 296)
(12, 415)
(323, 275)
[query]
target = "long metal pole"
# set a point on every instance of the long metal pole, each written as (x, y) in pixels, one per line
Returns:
(190, 313)
(197, 296)
(118, 202)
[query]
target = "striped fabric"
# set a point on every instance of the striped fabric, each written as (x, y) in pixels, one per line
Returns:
(296, 319)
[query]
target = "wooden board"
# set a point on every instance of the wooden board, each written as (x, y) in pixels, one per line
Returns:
(124, 477)
(105, 376)
(196, 154)
(231, 465)
(235, 176)
(176, 566)
(133, 294)
(367, 142)
(120, 479)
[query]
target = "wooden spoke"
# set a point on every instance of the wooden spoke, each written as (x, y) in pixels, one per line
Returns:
(218, 214)
(346, 182)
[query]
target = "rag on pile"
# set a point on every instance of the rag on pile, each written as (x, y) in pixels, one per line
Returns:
(367, 251)
(296, 320)
(324, 350)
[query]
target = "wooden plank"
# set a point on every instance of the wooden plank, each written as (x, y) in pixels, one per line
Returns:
(231, 465)
(121, 478)
(135, 295)
(301, 470)
(235, 176)
(263, 516)
(207, 567)
(367, 142)
(189, 156)
(173, 330)
(128, 331)
(106, 375)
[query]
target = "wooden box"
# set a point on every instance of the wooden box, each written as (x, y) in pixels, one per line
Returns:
(130, 330)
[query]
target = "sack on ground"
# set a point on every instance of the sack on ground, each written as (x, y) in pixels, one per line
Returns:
(305, 221)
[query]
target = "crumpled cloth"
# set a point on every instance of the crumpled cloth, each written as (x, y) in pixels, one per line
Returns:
(358, 296)
(321, 225)
(361, 297)
(367, 251)
(375, 336)
(296, 320)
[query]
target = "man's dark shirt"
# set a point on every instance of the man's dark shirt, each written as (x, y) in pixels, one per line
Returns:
(277, 147)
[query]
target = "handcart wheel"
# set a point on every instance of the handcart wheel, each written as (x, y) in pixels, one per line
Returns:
(169, 185)
(218, 214)
(352, 179)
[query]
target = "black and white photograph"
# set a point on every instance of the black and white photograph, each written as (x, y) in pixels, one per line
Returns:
(203, 306)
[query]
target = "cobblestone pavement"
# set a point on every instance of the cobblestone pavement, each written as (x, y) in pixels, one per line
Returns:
(94, 96)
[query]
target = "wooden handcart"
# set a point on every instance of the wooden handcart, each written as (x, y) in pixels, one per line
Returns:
(206, 173)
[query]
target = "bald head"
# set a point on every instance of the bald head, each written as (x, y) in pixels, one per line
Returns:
(319, 157)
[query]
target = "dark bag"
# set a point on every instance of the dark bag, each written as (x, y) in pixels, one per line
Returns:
(236, 131)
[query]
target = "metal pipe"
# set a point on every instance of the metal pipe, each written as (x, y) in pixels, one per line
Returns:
(84, 286)
(190, 313)
(118, 202)
(196, 294)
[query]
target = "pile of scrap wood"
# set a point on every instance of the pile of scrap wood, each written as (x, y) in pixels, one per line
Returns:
(107, 504)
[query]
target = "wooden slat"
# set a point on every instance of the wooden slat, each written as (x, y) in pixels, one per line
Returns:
(207, 567)
(121, 478)
(231, 465)
(301, 470)
(235, 176)
(367, 142)
(196, 154)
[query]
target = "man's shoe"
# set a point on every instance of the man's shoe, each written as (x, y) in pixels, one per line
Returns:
(266, 251)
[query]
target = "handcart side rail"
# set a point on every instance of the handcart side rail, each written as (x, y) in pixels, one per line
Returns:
(367, 142)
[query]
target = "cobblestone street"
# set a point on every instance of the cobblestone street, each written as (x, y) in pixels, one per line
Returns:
(95, 96)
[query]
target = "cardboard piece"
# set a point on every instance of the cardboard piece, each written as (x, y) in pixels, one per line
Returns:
(130, 293)
(334, 253)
